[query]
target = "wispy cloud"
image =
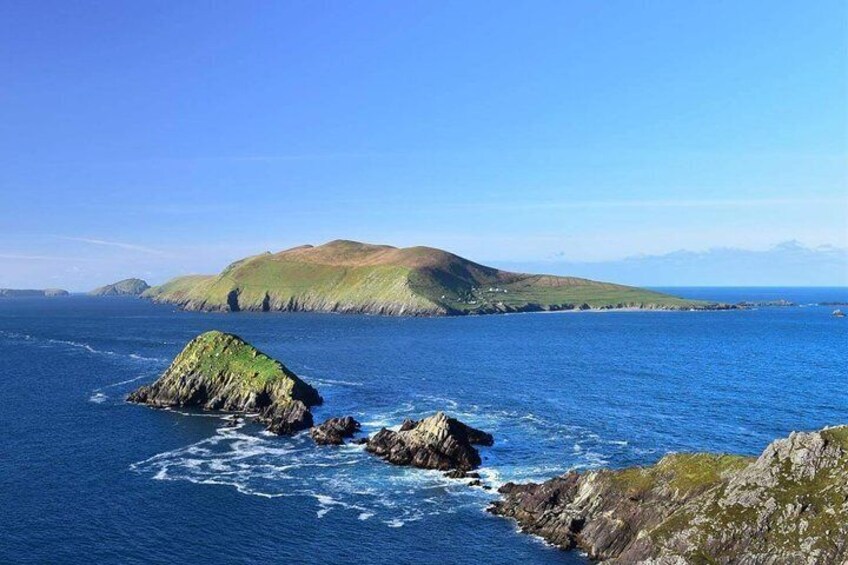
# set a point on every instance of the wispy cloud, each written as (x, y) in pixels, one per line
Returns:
(22, 257)
(118, 244)
(674, 203)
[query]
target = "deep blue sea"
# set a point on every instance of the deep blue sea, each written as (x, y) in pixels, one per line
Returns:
(85, 477)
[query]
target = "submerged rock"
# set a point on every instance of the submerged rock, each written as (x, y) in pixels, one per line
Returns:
(220, 371)
(334, 430)
(436, 442)
(790, 505)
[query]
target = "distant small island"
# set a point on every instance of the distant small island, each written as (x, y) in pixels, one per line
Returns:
(126, 287)
(25, 293)
(351, 277)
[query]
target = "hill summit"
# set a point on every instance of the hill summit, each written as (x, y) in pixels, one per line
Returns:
(353, 277)
(126, 287)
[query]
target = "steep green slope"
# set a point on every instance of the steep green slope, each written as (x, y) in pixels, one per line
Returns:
(126, 287)
(347, 276)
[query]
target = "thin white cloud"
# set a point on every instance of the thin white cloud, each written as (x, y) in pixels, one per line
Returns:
(696, 203)
(19, 257)
(118, 244)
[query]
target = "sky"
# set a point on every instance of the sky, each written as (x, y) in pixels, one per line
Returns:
(160, 138)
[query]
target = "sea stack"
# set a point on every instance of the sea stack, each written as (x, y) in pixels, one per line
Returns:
(221, 371)
(436, 442)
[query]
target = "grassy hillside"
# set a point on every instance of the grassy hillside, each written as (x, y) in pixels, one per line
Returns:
(347, 276)
(126, 287)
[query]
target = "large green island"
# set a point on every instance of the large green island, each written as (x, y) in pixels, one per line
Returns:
(352, 277)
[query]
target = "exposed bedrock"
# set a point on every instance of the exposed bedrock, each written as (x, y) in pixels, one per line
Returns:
(220, 371)
(334, 431)
(788, 506)
(436, 442)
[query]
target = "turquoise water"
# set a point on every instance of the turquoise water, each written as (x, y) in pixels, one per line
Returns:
(86, 476)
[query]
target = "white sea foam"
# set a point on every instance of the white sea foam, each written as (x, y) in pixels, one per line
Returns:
(127, 381)
(46, 342)
(98, 398)
(395, 523)
(331, 382)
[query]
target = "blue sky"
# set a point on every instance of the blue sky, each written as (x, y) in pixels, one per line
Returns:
(158, 138)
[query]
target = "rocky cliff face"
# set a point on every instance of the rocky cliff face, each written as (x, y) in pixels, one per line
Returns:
(789, 506)
(219, 371)
(436, 442)
(126, 287)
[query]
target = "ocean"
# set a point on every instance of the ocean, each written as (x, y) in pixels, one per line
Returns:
(86, 477)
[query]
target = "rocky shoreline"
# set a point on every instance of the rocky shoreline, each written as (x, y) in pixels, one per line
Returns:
(398, 309)
(788, 506)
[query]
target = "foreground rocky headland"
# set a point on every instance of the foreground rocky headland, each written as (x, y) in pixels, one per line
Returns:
(220, 371)
(788, 506)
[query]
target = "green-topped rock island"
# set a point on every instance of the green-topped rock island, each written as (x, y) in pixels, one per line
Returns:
(221, 371)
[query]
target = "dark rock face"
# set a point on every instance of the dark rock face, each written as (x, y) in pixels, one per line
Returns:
(287, 419)
(334, 430)
(788, 506)
(437, 442)
(218, 371)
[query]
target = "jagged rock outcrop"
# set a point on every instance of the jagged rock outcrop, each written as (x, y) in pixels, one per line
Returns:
(436, 442)
(334, 430)
(789, 506)
(126, 287)
(287, 418)
(220, 371)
